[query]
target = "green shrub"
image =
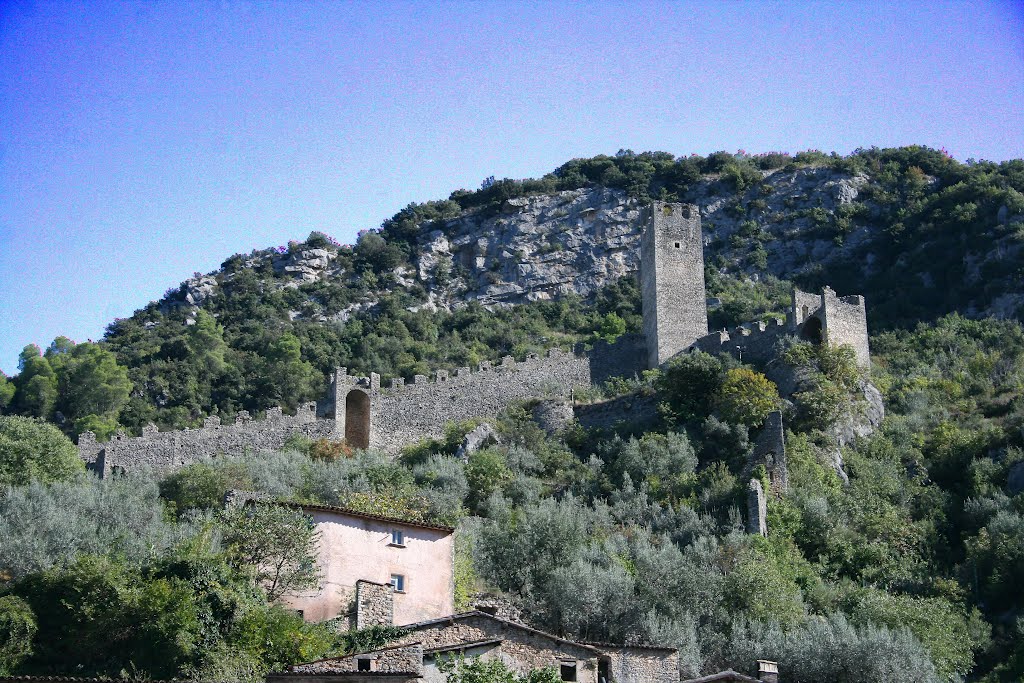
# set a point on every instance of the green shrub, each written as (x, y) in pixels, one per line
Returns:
(746, 397)
(32, 450)
(17, 630)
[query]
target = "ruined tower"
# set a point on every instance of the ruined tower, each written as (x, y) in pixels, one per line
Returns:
(836, 320)
(672, 279)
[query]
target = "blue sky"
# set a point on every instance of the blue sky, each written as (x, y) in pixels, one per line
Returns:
(140, 142)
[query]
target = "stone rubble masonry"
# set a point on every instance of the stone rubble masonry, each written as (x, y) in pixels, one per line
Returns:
(407, 412)
(522, 648)
(373, 416)
(635, 410)
(632, 664)
(166, 451)
(757, 509)
(375, 605)
(814, 317)
(396, 659)
(672, 280)
(553, 415)
(844, 321)
(769, 451)
(498, 606)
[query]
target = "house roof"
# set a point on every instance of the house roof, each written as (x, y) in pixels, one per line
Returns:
(355, 513)
(344, 674)
(461, 646)
(619, 646)
(328, 660)
(727, 675)
(477, 613)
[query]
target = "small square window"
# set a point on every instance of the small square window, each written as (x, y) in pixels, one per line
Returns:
(677, 245)
(397, 537)
(398, 582)
(364, 664)
(568, 671)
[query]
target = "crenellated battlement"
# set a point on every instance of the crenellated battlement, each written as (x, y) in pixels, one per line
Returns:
(369, 415)
(748, 342)
(170, 450)
(464, 375)
(818, 318)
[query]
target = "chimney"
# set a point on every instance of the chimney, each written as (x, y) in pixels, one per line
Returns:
(767, 671)
(375, 604)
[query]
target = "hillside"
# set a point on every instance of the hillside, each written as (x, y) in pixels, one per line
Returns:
(919, 234)
(903, 565)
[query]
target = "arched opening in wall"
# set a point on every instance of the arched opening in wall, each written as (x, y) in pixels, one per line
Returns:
(357, 419)
(811, 331)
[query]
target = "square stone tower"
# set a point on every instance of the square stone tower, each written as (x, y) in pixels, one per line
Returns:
(672, 280)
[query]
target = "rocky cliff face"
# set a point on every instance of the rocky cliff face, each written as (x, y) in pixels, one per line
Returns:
(813, 225)
(537, 248)
(576, 241)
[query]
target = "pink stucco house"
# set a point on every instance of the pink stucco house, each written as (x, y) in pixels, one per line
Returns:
(364, 558)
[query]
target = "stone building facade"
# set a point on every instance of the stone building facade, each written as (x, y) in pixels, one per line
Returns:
(417, 655)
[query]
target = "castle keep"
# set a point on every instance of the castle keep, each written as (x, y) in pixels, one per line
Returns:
(672, 280)
(367, 415)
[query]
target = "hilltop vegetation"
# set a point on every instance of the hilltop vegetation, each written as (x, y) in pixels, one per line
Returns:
(941, 236)
(910, 571)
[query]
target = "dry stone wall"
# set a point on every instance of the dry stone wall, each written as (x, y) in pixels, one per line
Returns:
(643, 664)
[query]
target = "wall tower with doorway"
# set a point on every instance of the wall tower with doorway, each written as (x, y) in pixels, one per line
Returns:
(350, 403)
(675, 313)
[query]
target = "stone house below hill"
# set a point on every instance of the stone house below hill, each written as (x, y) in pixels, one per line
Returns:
(416, 656)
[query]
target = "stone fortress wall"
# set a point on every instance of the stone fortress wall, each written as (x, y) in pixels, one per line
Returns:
(365, 414)
(389, 418)
(370, 415)
(167, 451)
(818, 318)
